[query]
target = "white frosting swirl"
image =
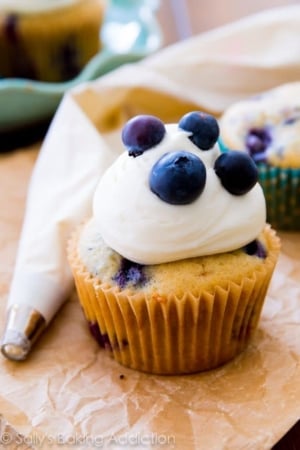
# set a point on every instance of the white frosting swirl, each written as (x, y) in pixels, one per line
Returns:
(137, 224)
(33, 6)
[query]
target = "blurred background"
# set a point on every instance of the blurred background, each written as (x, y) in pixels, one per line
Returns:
(132, 30)
(180, 19)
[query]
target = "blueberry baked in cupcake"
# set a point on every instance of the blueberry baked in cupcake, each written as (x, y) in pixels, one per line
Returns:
(267, 127)
(173, 267)
(48, 40)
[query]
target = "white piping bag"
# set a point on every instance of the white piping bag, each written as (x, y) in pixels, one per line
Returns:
(69, 165)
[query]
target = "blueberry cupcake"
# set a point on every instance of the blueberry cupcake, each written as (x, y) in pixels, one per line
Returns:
(48, 40)
(173, 267)
(267, 127)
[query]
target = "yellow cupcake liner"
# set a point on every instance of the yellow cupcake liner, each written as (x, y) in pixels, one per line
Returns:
(171, 335)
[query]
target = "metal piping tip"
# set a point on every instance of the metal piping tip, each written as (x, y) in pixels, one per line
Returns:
(23, 326)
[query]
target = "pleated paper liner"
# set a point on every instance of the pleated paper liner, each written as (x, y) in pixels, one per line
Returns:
(171, 335)
(281, 187)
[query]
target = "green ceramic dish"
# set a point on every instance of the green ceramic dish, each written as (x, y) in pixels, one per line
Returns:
(127, 37)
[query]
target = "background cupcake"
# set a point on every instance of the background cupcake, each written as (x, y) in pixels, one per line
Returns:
(173, 267)
(267, 127)
(48, 41)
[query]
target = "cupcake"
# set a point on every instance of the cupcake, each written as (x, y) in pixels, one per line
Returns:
(173, 267)
(267, 127)
(48, 40)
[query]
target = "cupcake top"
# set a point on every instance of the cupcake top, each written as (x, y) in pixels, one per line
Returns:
(172, 195)
(266, 126)
(33, 6)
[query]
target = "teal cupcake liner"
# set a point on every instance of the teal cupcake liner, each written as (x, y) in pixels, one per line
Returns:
(282, 192)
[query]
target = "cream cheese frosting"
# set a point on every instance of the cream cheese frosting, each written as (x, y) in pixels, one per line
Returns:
(141, 227)
(33, 6)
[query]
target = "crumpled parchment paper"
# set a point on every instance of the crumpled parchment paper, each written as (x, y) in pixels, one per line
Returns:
(71, 394)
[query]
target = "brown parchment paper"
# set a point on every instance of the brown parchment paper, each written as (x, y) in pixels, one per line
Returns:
(70, 394)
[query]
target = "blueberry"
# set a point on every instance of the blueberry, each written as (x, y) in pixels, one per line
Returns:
(10, 28)
(178, 178)
(130, 273)
(141, 133)
(257, 141)
(204, 128)
(19, 62)
(291, 120)
(237, 172)
(102, 339)
(67, 60)
(256, 248)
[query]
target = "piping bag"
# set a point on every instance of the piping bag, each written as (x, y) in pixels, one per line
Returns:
(59, 196)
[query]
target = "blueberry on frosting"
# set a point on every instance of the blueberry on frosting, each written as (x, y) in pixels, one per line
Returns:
(203, 127)
(178, 177)
(142, 133)
(237, 172)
